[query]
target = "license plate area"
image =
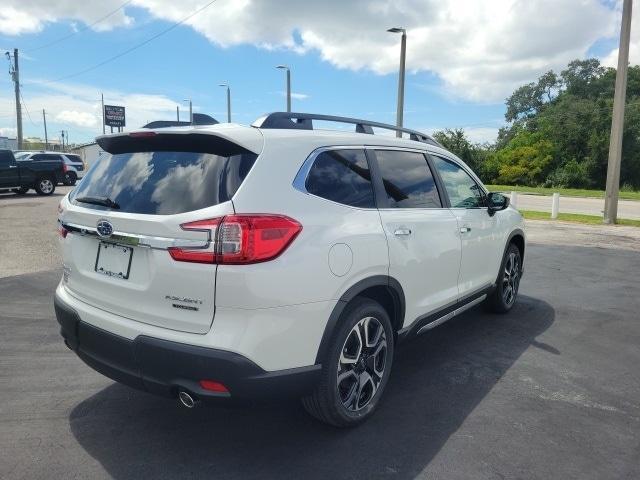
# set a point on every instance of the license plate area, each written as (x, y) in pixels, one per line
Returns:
(114, 260)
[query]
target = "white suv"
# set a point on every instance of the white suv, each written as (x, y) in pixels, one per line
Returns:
(230, 262)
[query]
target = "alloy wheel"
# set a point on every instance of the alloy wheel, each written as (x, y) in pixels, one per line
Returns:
(362, 364)
(511, 279)
(46, 185)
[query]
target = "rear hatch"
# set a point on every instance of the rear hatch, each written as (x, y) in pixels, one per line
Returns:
(125, 216)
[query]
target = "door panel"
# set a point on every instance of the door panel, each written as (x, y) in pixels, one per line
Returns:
(478, 230)
(424, 245)
(424, 256)
(9, 172)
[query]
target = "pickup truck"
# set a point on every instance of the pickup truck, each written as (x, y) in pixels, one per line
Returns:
(19, 177)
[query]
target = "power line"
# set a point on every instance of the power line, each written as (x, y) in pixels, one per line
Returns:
(135, 47)
(86, 27)
(24, 104)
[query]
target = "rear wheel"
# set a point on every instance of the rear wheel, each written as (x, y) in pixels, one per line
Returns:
(45, 186)
(356, 368)
(504, 296)
(70, 179)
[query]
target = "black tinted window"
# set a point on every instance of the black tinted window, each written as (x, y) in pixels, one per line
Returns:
(164, 183)
(407, 180)
(342, 176)
(6, 157)
(43, 156)
(74, 158)
(463, 190)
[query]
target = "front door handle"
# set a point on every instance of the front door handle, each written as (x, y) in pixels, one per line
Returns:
(465, 229)
(402, 232)
(13, 166)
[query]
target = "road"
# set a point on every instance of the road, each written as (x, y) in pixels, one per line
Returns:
(549, 391)
(589, 206)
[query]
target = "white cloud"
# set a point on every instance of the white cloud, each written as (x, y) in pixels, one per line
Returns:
(19, 16)
(80, 119)
(481, 134)
(77, 108)
(7, 132)
(480, 50)
(611, 60)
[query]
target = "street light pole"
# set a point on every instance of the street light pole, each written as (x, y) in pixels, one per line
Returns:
(46, 138)
(284, 67)
(403, 56)
(190, 110)
(228, 101)
(617, 120)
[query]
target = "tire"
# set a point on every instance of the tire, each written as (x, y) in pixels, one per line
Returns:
(504, 297)
(353, 399)
(45, 186)
(21, 190)
(70, 179)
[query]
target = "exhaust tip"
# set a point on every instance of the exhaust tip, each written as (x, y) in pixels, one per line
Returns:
(186, 399)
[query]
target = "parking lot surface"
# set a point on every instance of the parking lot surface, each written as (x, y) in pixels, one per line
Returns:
(551, 390)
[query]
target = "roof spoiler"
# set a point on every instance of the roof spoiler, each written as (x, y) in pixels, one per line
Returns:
(198, 119)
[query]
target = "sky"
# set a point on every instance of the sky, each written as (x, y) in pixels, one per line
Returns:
(464, 57)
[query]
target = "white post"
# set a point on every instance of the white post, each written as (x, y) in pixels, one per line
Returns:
(555, 206)
(514, 199)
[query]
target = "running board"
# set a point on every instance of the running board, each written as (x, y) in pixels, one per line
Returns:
(450, 315)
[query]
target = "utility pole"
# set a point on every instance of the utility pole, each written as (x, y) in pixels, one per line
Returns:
(285, 67)
(103, 130)
(617, 120)
(403, 56)
(62, 134)
(15, 76)
(46, 139)
(178, 113)
(226, 85)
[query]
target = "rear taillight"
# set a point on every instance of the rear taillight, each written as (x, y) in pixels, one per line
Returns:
(65, 169)
(62, 231)
(240, 239)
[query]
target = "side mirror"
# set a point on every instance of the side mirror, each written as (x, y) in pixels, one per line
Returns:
(496, 202)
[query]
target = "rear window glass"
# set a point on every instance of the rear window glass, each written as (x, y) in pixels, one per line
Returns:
(342, 176)
(164, 182)
(74, 158)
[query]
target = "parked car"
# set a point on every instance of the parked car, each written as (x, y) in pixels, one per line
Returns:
(21, 176)
(247, 262)
(73, 164)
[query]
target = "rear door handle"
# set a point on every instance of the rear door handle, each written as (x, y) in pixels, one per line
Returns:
(465, 229)
(402, 232)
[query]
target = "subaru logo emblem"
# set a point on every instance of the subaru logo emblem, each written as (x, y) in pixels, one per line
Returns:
(104, 228)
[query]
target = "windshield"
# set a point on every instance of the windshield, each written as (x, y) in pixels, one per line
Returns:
(163, 183)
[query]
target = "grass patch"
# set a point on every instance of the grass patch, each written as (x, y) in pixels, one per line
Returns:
(567, 192)
(575, 217)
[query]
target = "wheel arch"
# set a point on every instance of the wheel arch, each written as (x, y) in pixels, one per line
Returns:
(518, 239)
(383, 289)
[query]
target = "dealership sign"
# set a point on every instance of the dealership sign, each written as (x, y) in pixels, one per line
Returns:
(114, 116)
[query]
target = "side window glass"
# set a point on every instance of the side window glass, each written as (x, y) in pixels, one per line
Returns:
(407, 179)
(342, 176)
(463, 190)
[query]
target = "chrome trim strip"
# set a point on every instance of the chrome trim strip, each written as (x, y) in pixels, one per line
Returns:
(158, 243)
(450, 315)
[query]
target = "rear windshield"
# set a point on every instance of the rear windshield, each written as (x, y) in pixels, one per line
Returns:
(74, 158)
(163, 182)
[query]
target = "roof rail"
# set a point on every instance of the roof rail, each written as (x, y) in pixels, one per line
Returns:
(304, 121)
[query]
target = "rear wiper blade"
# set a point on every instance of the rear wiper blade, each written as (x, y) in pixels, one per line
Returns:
(104, 201)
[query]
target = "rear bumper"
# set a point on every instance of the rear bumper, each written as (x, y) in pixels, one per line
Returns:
(164, 367)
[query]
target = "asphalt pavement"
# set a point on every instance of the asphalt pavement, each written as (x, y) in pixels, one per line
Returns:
(548, 391)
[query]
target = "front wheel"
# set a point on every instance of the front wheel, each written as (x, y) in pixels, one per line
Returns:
(45, 186)
(356, 368)
(505, 294)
